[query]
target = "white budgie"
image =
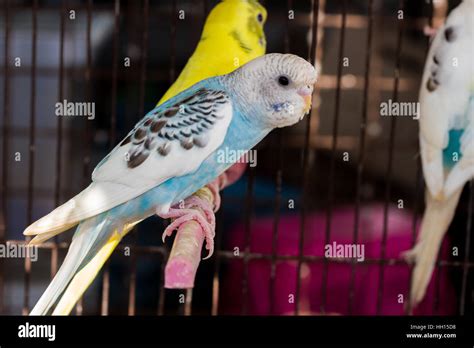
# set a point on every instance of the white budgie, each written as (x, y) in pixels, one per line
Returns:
(446, 136)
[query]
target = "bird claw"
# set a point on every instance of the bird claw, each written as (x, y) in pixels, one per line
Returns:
(183, 215)
(410, 256)
(210, 247)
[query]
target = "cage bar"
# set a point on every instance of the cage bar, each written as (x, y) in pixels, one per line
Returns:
(306, 149)
(248, 222)
(5, 133)
(388, 175)
(362, 140)
(335, 131)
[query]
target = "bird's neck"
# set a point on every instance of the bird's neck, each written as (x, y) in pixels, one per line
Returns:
(245, 100)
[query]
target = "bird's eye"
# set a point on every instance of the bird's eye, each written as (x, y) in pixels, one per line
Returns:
(283, 80)
(260, 17)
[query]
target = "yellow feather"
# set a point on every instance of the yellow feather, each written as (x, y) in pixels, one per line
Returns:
(232, 36)
(84, 277)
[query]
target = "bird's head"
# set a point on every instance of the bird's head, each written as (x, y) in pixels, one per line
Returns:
(243, 20)
(278, 86)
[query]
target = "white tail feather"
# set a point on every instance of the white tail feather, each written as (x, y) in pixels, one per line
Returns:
(94, 200)
(436, 220)
(87, 235)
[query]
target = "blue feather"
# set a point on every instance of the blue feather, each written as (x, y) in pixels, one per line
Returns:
(453, 150)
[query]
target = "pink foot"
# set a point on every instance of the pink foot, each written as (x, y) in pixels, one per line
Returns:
(182, 215)
(204, 214)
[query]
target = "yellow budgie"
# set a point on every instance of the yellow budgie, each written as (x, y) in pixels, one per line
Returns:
(232, 35)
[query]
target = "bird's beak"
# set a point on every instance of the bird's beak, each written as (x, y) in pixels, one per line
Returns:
(306, 92)
(307, 103)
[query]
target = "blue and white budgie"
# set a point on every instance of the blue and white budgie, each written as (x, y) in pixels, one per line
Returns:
(446, 136)
(171, 153)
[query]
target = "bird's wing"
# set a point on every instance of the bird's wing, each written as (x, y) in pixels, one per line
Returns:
(445, 98)
(171, 140)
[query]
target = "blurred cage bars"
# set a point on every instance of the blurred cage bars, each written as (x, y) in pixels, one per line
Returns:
(372, 83)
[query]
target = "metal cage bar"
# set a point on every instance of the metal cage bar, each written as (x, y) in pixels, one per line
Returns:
(306, 164)
(335, 130)
(361, 151)
(31, 159)
(388, 175)
(104, 310)
(5, 133)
